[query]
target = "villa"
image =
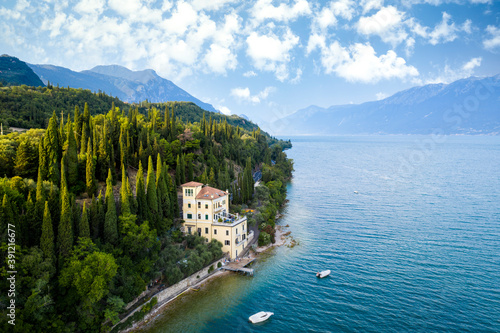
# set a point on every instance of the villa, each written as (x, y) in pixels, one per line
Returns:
(205, 211)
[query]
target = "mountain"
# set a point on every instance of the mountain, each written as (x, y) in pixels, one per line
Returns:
(129, 86)
(467, 106)
(14, 72)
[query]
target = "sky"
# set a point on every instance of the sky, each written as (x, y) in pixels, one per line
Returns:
(265, 59)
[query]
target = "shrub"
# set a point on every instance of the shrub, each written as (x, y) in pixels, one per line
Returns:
(211, 269)
(219, 264)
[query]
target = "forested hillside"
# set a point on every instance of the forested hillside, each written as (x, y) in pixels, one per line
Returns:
(14, 72)
(27, 107)
(92, 200)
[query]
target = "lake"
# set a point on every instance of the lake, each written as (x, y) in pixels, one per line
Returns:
(409, 226)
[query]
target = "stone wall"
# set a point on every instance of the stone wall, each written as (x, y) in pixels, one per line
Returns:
(180, 286)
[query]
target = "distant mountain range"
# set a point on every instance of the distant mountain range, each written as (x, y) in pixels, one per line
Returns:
(467, 106)
(14, 72)
(117, 81)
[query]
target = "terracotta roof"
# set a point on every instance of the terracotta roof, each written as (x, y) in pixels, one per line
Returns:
(191, 184)
(210, 193)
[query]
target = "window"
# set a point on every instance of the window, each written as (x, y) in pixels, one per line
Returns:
(227, 242)
(189, 205)
(199, 216)
(227, 232)
(189, 216)
(223, 202)
(236, 230)
(189, 230)
(199, 205)
(206, 206)
(206, 230)
(199, 231)
(215, 231)
(243, 226)
(243, 237)
(206, 216)
(188, 192)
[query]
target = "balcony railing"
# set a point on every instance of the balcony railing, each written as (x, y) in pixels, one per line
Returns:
(226, 217)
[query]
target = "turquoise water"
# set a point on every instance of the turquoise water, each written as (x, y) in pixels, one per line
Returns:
(417, 249)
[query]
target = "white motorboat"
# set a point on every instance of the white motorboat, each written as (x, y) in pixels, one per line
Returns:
(260, 317)
(323, 274)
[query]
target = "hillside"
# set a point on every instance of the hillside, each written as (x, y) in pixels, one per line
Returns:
(129, 86)
(467, 106)
(27, 107)
(94, 202)
(14, 72)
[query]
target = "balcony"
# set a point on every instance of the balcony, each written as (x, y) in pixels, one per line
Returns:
(227, 219)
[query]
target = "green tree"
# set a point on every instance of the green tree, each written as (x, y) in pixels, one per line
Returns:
(142, 204)
(84, 229)
(47, 239)
(71, 153)
(110, 221)
(124, 194)
(151, 195)
(90, 171)
(26, 159)
(65, 231)
(52, 151)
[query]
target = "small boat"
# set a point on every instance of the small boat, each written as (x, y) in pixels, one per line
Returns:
(356, 192)
(323, 274)
(260, 317)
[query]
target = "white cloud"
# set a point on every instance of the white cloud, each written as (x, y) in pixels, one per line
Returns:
(381, 96)
(210, 4)
(371, 4)
(443, 32)
(297, 77)
(224, 109)
(134, 11)
(220, 58)
(264, 9)
(471, 64)
(271, 53)
(450, 74)
(493, 41)
(249, 74)
(94, 7)
(243, 94)
(359, 63)
(386, 23)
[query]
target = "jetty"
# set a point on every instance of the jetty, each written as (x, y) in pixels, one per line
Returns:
(240, 266)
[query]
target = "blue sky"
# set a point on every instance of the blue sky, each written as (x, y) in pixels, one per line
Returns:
(264, 58)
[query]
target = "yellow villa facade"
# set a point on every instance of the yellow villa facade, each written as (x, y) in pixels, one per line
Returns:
(205, 211)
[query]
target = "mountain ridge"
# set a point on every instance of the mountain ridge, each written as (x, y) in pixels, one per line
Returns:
(115, 80)
(465, 106)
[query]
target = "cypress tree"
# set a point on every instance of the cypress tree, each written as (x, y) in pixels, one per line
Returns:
(83, 229)
(65, 230)
(110, 221)
(178, 172)
(190, 173)
(101, 213)
(142, 204)
(26, 159)
(47, 238)
(42, 160)
(151, 196)
(124, 195)
(90, 171)
(78, 127)
(82, 143)
(30, 227)
(40, 196)
(71, 152)
(52, 150)
(94, 218)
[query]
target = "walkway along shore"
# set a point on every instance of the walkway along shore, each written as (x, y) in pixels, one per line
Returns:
(195, 280)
